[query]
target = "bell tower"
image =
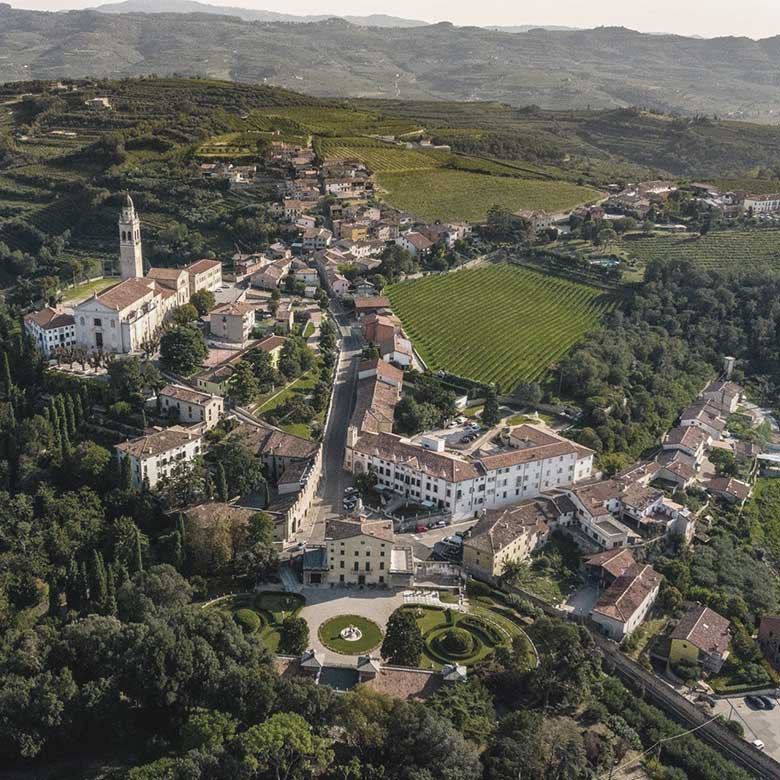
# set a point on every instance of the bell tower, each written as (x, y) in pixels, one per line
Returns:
(131, 260)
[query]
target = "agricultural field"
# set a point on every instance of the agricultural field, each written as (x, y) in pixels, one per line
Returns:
(379, 157)
(327, 120)
(458, 195)
(502, 324)
(723, 250)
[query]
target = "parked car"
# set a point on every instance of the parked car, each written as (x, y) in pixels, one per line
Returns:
(351, 491)
(755, 702)
(465, 439)
(441, 524)
(421, 529)
(702, 698)
(758, 744)
(767, 702)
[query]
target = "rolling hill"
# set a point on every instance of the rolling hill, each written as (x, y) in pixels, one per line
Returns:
(570, 69)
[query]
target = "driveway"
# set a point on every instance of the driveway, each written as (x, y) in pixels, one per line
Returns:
(582, 601)
(758, 724)
(325, 603)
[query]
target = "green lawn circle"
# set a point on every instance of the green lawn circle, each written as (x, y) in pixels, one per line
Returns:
(329, 634)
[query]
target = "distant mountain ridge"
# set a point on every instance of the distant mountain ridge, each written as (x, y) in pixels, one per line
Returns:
(247, 14)
(606, 67)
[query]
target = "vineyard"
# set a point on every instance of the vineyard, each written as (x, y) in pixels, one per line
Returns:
(379, 157)
(501, 324)
(457, 195)
(726, 250)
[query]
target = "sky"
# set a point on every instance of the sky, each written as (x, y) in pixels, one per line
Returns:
(708, 18)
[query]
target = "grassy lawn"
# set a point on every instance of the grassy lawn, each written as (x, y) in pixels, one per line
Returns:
(302, 385)
(330, 631)
(534, 320)
(642, 637)
(308, 330)
(473, 411)
(82, 291)
(458, 195)
(548, 586)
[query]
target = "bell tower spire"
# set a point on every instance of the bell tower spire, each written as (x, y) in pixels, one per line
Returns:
(131, 260)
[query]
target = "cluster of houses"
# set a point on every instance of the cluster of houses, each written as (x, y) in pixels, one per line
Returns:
(238, 176)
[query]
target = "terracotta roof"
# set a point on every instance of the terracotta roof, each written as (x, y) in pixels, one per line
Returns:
(687, 436)
(160, 441)
(628, 592)
(374, 302)
(49, 318)
(616, 561)
(238, 309)
(348, 529)
(639, 496)
(703, 628)
(126, 293)
(418, 241)
(499, 527)
(516, 456)
(374, 405)
(270, 343)
(266, 440)
(705, 412)
(730, 485)
(384, 370)
(199, 266)
(186, 394)
(389, 447)
(165, 274)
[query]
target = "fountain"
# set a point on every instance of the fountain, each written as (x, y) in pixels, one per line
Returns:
(351, 633)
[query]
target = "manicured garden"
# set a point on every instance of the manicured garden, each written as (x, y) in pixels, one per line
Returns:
(262, 614)
(330, 634)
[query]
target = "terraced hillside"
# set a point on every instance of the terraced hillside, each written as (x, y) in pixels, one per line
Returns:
(723, 250)
(501, 324)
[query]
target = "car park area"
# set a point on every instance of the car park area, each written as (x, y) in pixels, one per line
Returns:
(759, 724)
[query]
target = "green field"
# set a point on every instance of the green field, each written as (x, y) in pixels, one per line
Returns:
(723, 250)
(500, 324)
(457, 195)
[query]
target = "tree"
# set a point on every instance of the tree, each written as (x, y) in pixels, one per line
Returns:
(403, 642)
(183, 349)
(184, 314)
(243, 471)
(203, 301)
(528, 393)
(243, 386)
(284, 747)
(490, 411)
(294, 636)
(207, 729)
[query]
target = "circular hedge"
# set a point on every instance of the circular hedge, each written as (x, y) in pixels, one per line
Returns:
(248, 619)
(436, 649)
(330, 634)
(456, 642)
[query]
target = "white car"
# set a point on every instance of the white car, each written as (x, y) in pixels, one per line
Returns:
(758, 744)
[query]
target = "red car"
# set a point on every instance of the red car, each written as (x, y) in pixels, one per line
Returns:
(421, 529)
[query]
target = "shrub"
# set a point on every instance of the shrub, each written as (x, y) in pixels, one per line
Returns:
(490, 632)
(736, 727)
(457, 642)
(475, 589)
(248, 619)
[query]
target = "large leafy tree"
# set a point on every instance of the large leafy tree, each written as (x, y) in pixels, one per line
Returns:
(403, 642)
(183, 349)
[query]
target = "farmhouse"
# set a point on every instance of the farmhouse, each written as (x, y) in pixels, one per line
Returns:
(627, 601)
(415, 243)
(762, 204)
(723, 395)
(702, 636)
(232, 322)
(705, 415)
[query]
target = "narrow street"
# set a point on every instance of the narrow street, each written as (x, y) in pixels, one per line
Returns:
(334, 479)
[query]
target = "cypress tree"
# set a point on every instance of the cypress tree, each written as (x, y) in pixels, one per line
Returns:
(64, 438)
(72, 586)
(178, 551)
(121, 574)
(222, 488)
(78, 407)
(70, 414)
(7, 382)
(110, 608)
(98, 587)
(125, 474)
(86, 405)
(137, 563)
(54, 597)
(83, 586)
(60, 404)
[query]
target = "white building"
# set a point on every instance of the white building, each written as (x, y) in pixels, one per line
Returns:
(131, 261)
(51, 329)
(626, 602)
(762, 204)
(204, 275)
(464, 487)
(191, 406)
(155, 455)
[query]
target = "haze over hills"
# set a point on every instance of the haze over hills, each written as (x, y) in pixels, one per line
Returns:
(247, 14)
(599, 68)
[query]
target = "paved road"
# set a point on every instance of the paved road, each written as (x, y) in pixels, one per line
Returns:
(334, 478)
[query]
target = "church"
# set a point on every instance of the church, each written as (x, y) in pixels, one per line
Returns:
(122, 317)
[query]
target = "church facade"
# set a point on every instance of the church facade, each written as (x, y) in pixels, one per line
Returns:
(122, 318)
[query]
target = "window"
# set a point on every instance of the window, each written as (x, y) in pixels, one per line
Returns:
(98, 323)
